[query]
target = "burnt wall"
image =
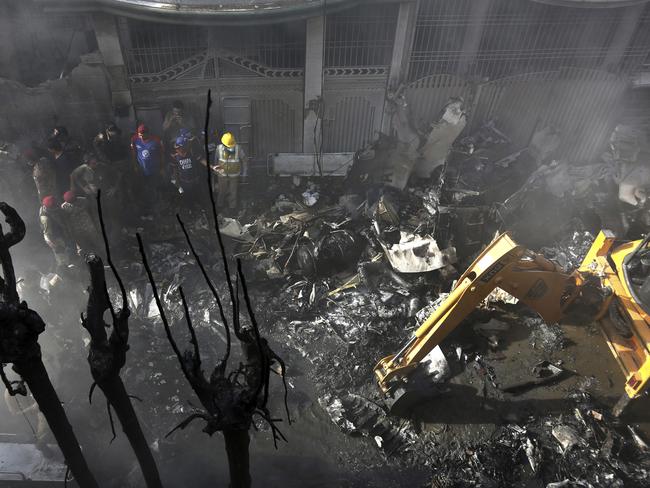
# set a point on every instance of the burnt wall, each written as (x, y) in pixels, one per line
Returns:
(81, 101)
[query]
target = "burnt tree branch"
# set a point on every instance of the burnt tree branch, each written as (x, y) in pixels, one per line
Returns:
(19, 330)
(229, 404)
(107, 356)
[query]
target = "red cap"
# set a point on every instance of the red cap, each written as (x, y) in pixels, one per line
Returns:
(68, 196)
(142, 128)
(49, 201)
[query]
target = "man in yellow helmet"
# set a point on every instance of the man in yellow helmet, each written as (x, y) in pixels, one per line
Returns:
(230, 165)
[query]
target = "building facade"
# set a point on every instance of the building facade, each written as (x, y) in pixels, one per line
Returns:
(312, 76)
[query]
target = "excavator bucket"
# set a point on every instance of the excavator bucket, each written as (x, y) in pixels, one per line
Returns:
(612, 287)
(624, 319)
(534, 280)
(402, 401)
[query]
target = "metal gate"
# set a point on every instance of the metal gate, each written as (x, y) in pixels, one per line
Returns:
(256, 74)
(245, 95)
(583, 105)
(237, 120)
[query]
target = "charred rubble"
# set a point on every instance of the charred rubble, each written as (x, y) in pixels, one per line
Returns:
(343, 269)
(343, 272)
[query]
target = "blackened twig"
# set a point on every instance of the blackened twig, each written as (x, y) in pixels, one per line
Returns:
(195, 343)
(110, 419)
(187, 422)
(213, 290)
(215, 218)
(163, 317)
(268, 354)
(265, 366)
(123, 308)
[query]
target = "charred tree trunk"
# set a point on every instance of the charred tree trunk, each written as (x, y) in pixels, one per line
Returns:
(118, 398)
(107, 356)
(36, 377)
(229, 399)
(19, 331)
(237, 442)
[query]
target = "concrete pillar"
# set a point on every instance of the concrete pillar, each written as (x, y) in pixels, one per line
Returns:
(624, 32)
(404, 35)
(402, 47)
(314, 49)
(473, 35)
(108, 42)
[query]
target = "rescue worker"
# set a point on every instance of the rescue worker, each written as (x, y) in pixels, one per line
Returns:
(62, 164)
(194, 144)
(174, 121)
(147, 157)
(44, 178)
(86, 179)
(231, 164)
(90, 177)
(55, 232)
(71, 148)
(186, 173)
(81, 225)
(109, 146)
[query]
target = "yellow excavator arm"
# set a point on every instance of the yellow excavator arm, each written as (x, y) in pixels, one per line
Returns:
(543, 286)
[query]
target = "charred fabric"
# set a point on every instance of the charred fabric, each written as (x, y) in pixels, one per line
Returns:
(344, 268)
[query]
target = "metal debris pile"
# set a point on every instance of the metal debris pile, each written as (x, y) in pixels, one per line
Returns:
(344, 270)
(570, 250)
(584, 448)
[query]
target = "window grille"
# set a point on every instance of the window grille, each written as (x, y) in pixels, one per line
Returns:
(361, 36)
(151, 47)
(519, 37)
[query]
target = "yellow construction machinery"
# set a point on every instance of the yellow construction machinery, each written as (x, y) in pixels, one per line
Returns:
(611, 287)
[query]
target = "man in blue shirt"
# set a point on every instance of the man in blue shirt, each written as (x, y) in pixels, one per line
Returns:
(147, 151)
(188, 174)
(147, 155)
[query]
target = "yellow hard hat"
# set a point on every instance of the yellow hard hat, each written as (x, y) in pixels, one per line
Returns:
(228, 140)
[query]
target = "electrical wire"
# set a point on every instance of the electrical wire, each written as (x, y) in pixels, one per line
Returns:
(31, 427)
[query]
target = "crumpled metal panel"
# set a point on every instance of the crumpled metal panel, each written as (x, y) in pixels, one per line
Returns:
(415, 254)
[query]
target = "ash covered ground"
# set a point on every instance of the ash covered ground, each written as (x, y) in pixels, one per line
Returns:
(329, 289)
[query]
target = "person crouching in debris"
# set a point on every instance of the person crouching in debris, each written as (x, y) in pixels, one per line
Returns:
(55, 232)
(147, 156)
(186, 175)
(231, 164)
(81, 225)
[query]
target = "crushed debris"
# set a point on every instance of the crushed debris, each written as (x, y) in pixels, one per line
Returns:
(344, 272)
(547, 337)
